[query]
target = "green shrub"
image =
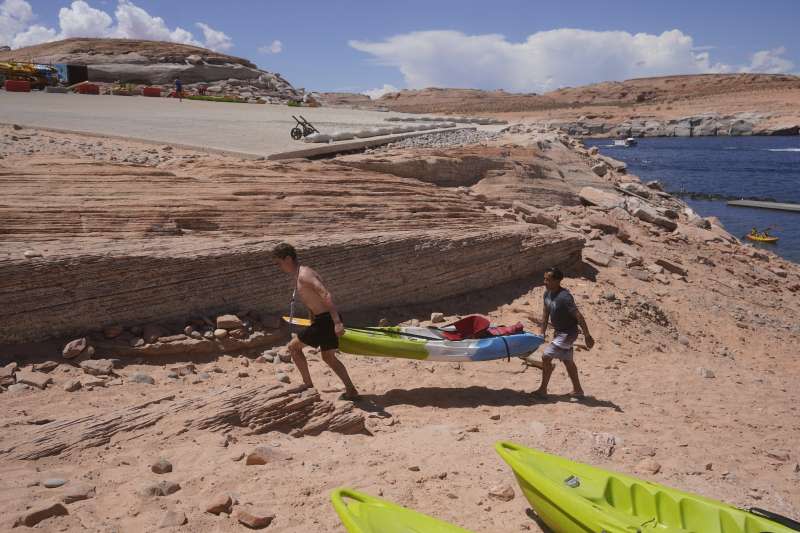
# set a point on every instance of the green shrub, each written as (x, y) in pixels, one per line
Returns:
(215, 99)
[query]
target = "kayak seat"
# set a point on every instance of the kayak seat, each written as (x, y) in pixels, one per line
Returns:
(477, 327)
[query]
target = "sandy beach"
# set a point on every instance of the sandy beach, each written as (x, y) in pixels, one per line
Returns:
(691, 382)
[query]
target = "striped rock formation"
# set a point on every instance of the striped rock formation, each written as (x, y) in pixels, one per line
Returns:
(88, 244)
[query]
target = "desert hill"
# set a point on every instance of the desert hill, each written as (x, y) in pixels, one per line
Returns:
(154, 62)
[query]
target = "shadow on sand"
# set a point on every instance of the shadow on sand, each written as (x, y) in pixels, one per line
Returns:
(474, 396)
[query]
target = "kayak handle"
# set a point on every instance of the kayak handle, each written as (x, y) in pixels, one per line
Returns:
(775, 517)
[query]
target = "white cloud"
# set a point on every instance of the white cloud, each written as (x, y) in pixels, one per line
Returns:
(545, 60)
(275, 47)
(215, 39)
(133, 22)
(15, 15)
(769, 61)
(374, 94)
(82, 20)
(34, 35)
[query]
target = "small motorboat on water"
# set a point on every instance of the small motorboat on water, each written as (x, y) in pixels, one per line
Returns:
(627, 143)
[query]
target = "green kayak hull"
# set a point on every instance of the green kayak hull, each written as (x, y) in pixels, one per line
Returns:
(572, 497)
(361, 513)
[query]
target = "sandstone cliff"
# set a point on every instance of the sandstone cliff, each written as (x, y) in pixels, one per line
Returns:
(88, 244)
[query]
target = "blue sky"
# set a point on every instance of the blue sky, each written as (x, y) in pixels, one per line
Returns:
(414, 43)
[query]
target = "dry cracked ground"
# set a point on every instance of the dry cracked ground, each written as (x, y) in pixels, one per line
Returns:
(692, 382)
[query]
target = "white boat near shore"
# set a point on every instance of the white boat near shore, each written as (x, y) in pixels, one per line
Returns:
(625, 143)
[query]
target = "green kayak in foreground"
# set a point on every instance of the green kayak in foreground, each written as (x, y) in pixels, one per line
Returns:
(361, 513)
(574, 497)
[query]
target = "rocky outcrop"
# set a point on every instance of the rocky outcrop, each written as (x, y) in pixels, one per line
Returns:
(159, 63)
(134, 245)
(707, 124)
(296, 410)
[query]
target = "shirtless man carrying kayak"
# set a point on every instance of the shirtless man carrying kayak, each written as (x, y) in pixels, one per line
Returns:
(326, 326)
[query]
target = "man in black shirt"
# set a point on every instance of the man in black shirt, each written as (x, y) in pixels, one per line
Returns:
(560, 310)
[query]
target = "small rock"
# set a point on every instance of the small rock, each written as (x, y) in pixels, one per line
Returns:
(35, 379)
(31, 254)
(172, 375)
(77, 492)
(221, 503)
(47, 366)
(264, 358)
(414, 468)
(243, 374)
(72, 385)
(282, 377)
(54, 482)
(97, 367)
(495, 416)
(220, 333)
(162, 488)
(17, 387)
(37, 514)
(254, 519)
(648, 466)
(141, 377)
(188, 331)
(260, 456)
(502, 492)
(74, 348)
(136, 342)
(162, 466)
(184, 370)
(208, 334)
(437, 318)
(229, 322)
(683, 340)
(236, 457)
(706, 373)
(173, 519)
(779, 455)
(609, 295)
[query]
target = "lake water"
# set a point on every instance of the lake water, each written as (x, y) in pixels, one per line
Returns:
(727, 167)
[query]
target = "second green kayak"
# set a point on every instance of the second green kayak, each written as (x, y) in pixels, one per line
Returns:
(361, 513)
(573, 497)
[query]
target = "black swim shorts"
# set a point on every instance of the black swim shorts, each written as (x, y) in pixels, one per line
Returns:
(321, 333)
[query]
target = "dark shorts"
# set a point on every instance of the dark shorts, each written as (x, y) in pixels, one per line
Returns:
(321, 333)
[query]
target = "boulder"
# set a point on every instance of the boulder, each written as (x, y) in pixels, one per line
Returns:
(221, 503)
(597, 257)
(672, 267)
(533, 215)
(254, 518)
(41, 512)
(76, 492)
(648, 214)
(600, 169)
(74, 348)
(229, 322)
(603, 199)
(602, 223)
(34, 379)
(98, 367)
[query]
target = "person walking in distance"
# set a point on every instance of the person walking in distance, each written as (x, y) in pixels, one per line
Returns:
(560, 311)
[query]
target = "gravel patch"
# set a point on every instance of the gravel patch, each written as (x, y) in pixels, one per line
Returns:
(443, 139)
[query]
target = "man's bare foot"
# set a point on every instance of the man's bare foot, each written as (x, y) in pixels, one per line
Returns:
(577, 394)
(539, 393)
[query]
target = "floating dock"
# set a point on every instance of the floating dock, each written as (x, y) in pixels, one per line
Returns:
(765, 205)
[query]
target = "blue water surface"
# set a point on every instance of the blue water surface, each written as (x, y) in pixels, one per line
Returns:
(736, 167)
